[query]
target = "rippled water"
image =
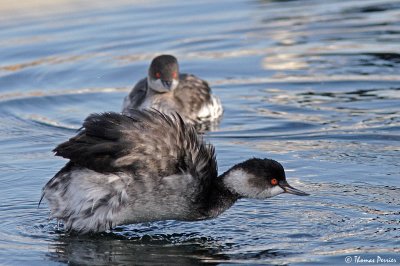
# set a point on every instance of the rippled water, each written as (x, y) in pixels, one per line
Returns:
(313, 84)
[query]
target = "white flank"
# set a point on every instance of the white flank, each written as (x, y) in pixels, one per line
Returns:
(86, 200)
(212, 110)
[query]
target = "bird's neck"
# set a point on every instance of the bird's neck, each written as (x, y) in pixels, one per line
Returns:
(149, 90)
(220, 197)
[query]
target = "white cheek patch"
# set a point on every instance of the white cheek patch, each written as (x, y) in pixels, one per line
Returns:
(238, 181)
(156, 84)
(174, 84)
(270, 192)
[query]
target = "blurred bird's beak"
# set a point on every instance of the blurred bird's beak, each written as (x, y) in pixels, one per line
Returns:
(291, 190)
(167, 84)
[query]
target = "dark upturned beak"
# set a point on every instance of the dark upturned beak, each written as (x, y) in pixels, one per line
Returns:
(291, 190)
(167, 84)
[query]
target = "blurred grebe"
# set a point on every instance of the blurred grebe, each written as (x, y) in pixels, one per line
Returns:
(168, 91)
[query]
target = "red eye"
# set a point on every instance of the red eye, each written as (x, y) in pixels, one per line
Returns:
(174, 75)
(274, 181)
(158, 75)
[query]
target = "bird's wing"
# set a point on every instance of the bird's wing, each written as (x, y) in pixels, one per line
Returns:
(143, 142)
(193, 91)
(196, 97)
(136, 97)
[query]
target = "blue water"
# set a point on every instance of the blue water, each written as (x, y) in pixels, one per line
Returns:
(313, 84)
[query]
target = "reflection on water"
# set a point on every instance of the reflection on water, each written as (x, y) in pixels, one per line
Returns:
(312, 84)
(141, 250)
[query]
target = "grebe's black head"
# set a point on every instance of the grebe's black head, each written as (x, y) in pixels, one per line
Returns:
(259, 178)
(163, 73)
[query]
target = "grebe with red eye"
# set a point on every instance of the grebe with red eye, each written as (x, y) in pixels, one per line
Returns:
(146, 167)
(168, 91)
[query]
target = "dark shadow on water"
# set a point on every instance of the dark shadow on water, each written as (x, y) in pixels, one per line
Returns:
(393, 57)
(381, 7)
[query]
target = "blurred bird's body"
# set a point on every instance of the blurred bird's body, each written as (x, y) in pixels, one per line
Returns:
(166, 90)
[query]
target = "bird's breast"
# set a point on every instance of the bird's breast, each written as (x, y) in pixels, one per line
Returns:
(164, 198)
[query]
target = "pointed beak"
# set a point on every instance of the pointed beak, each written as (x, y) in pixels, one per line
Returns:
(291, 190)
(167, 84)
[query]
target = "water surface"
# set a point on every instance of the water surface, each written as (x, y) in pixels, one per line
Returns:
(312, 84)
